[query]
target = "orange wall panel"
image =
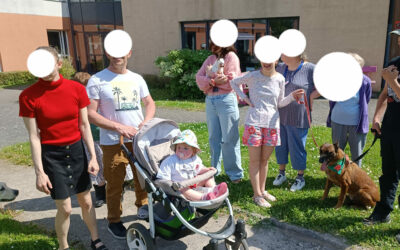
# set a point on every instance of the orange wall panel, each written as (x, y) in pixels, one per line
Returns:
(20, 34)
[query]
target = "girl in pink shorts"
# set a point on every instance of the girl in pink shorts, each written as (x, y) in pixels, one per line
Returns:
(261, 134)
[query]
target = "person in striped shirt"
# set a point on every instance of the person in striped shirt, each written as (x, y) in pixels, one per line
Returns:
(294, 125)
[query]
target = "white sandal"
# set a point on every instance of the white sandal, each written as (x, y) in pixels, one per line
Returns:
(269, 196)
(260, 201)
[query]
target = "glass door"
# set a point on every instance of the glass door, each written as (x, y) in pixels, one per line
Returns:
(96, 57)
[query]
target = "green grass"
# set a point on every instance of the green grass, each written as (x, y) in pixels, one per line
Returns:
(163, 99)
(303, 208)
(18, 154)
(16, 235)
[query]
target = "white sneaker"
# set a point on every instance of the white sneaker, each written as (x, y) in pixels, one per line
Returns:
(297, 185)
(279, 180)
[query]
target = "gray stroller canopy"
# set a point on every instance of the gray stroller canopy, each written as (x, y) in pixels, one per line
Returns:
(155, 132)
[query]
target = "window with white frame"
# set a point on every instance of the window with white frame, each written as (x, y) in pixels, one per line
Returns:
(58, 39)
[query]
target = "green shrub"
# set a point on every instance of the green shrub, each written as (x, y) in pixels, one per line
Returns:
(155, 81)
(16, 78)
(67, 70)
(181, 67)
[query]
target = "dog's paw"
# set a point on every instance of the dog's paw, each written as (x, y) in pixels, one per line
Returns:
(337, 206)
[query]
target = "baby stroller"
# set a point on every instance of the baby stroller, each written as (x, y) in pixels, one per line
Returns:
(171, 216)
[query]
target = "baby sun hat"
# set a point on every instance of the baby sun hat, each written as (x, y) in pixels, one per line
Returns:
(187, 136)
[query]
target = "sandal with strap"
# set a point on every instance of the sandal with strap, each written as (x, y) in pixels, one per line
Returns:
(95, 242)
(260, 201)
(268, 196)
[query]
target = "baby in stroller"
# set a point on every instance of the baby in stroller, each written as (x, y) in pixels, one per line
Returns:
(185, 164)
(173, 213)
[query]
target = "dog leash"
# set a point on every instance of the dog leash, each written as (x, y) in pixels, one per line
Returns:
(373, 142)
(309, 118)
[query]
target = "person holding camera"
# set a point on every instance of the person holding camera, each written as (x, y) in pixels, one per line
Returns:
(388, 107)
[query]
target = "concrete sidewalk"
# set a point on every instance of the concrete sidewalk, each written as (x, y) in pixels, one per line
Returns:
(39, 208)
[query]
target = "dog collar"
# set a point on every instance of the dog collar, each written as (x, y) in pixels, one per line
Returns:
(338, 167)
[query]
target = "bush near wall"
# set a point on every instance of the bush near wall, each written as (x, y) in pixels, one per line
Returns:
(16, 78)
(67, 70)
(181, 67)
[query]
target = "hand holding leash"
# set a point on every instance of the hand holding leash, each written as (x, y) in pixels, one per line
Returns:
(377, 135)
(376, 128)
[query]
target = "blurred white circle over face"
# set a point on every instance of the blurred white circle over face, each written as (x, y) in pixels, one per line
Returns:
(338, 76)
(223, 33)
(268, 49)
(118, 43)
(41, 63)
(293, 42)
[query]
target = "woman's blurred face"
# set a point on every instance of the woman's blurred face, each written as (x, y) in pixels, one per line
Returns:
(216, 49)
(53, 75)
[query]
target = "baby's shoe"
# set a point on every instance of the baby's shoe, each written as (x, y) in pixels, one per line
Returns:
(218, 190)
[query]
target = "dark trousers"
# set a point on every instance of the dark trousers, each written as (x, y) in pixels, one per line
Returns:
(390, 153)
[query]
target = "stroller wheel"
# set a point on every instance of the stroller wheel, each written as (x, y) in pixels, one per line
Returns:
(235, 245)
(138, 237)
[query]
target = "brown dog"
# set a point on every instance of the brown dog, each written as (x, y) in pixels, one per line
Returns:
(351, 179)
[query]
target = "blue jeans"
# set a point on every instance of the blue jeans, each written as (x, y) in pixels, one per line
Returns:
(293, 141)
(347, 133)
(223, 134)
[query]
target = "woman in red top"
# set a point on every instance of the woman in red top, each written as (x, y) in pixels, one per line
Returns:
(55, 115)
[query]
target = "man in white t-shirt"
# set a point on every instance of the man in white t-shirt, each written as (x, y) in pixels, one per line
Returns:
(115, 94)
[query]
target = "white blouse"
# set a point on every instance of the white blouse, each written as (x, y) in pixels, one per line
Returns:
(267, 95)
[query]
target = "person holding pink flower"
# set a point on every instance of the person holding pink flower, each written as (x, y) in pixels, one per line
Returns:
(261, 133)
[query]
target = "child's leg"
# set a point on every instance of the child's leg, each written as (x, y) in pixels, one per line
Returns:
(210, 182)
(265, 153)
(254, 169)
(191, 194)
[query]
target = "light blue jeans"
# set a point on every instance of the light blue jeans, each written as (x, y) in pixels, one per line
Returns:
(293, 142)
(223, 134)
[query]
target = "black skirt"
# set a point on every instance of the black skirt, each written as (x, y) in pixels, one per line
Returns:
(66, 167)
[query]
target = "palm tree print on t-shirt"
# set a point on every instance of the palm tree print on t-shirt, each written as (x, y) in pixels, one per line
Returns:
(125, 96)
